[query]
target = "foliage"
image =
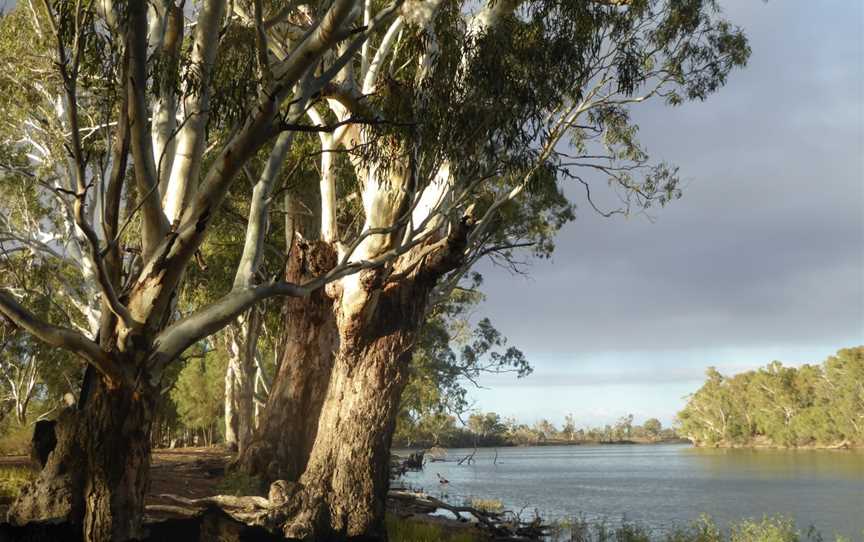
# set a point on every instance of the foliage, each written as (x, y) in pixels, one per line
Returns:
(199, 391)
(449, 355)
(768, 529)
(811, 405)
(652, 427)
(490, 429)
(14, 438)
(410, 530)
(34, 377)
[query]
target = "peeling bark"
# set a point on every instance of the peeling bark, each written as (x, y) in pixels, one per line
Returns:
(289, 422)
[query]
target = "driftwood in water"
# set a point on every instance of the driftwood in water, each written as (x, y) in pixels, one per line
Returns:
(414, 461)
(468, 458)
(399, 466)
(503, 526)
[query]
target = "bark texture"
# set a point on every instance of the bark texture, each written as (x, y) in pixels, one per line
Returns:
(288, 426)
(344, 486)
(342, 491)
(97, 475)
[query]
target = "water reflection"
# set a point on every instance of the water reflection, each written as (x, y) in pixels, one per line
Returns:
(768, 463)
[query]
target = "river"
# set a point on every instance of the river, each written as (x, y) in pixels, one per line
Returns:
(662, 486)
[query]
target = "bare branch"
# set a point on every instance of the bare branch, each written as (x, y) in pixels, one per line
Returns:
(146, 177)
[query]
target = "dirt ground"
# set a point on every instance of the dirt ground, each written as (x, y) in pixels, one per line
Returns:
(197, 472)
(188, 472)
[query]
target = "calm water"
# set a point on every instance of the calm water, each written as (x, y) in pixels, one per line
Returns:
(662, 486)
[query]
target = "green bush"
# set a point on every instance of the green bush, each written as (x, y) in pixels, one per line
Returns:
(407, 530)
(769, 529)
(778, 529)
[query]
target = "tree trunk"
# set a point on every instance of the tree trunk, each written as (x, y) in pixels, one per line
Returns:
(240, 380)
(97, 475)
(347, 477)
(343, 488)
(232, 418)
(289, 422)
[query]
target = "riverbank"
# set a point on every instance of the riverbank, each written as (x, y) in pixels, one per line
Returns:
(199, 472)
(766, 444)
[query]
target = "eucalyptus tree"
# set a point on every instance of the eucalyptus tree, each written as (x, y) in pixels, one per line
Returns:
(131, 134)
(31, 375)
(489, 113)
(810, 405)
(450, 354)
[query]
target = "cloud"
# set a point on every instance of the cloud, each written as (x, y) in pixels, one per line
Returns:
(762, 259)
(767, 245)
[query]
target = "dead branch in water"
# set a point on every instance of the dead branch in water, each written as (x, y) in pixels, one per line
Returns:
(503, 526)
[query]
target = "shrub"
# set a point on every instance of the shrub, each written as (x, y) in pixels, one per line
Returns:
(777, 529)
(769, 529)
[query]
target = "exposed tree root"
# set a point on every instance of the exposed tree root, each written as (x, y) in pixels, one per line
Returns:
(269, 512)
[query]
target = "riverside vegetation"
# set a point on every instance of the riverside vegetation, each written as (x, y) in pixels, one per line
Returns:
(769, 529)
(807, 406)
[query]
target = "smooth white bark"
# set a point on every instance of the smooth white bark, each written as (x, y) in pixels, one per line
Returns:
(196, 104)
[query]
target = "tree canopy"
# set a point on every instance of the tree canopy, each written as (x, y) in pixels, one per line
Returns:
(810, 405)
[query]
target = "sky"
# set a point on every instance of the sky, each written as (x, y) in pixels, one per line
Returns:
(761, 259)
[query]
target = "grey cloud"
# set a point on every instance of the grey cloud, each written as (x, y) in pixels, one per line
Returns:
(767, 245)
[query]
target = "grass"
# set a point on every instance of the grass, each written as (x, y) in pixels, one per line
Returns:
(410, 530)
(12, 479)
(768, 529)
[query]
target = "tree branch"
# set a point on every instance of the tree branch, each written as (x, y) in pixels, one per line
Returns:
(155, 224)
(60, 337)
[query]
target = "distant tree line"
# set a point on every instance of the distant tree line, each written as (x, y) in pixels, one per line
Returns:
(490, 429)
(812, 405)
